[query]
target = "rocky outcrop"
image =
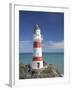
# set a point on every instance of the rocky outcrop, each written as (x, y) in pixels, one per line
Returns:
(26, 72)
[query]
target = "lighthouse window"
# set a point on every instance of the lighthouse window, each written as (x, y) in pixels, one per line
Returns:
(38, 65)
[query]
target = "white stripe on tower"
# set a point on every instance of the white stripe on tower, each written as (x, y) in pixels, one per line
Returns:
(37, 62)
(37, 52)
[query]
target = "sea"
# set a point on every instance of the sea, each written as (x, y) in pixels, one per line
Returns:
(57, 59)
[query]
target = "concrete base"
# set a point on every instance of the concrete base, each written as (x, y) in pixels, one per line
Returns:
(35, 64)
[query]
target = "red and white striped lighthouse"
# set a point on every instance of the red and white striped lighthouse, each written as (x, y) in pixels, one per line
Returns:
(37, 62)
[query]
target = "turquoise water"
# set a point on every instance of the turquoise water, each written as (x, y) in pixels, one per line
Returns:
(57, 59)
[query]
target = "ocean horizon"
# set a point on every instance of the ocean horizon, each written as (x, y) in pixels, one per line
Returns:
(57, 59)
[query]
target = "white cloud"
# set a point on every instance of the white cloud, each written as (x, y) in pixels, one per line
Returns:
(26, 46)
(50, 46)
(53, 46)
(56, 45)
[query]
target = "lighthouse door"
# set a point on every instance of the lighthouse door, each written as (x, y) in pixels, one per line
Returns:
(38, 65)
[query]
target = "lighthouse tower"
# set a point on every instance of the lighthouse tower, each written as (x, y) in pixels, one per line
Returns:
(37, 62)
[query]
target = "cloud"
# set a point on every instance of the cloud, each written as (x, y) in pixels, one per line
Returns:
(53, 46)
(56, 45)
(49, 46)
(26, 46)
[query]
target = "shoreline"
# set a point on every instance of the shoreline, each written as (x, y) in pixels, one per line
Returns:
(49, 71)
(57, 59)
(58, 67)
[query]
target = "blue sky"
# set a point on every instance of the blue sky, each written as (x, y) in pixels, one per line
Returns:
(52, 30)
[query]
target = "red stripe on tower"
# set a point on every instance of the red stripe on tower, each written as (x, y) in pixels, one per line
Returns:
(37, 58)
(37, 44)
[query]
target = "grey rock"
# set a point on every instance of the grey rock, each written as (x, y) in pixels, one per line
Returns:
(26, 72)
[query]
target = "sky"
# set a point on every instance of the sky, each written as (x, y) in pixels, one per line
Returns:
(52, 30)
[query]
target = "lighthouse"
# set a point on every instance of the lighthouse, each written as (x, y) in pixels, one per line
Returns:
(37, 62)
